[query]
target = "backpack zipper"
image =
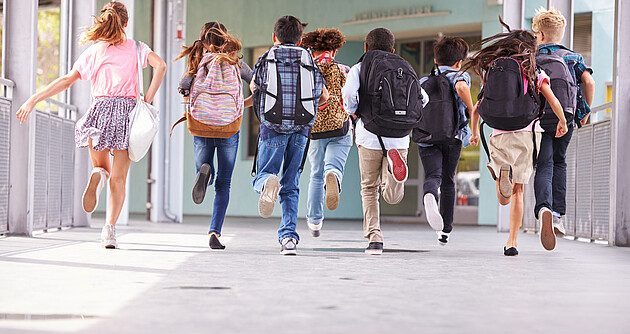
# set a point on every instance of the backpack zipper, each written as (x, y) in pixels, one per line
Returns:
(391, 97)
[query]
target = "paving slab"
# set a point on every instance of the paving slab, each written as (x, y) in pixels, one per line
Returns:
(165, 279)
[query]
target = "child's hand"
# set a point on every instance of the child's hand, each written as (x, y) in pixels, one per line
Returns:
(474, 139)
(561, 130)
(25, 110)
(584, 120)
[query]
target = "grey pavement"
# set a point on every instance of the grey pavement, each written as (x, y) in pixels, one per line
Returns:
(164, 279)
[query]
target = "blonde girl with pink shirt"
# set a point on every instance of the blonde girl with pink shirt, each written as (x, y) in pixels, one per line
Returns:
(111, 66)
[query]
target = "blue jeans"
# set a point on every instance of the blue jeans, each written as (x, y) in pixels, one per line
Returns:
(550, 181)
(226, 148)
(440, 165)
(284, 150)
(326, 156)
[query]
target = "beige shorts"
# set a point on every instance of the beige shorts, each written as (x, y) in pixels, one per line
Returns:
(515, 149)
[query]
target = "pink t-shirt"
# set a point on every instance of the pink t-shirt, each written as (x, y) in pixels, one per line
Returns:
(542, 77)
(113, 69)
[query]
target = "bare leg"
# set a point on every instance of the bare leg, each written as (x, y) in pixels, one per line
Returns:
(100, 159)
(516, 214)
(117, 183)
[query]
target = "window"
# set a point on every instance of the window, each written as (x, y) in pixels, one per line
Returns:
(48, 46)
(582, 35)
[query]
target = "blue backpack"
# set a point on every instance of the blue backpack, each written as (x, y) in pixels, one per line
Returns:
(289, 85)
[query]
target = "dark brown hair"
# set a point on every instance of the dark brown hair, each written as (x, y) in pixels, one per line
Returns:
(109, 27)
(288, 29)
(324, 39)
(213, 37)
(449, 50)
(380, 39)
(518, 44)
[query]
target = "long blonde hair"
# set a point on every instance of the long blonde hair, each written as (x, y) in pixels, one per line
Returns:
(109, 27)
(215, 38)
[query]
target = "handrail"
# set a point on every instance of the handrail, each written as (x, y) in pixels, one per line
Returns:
(602, 107)
(62, 105)
(7, 91)
(7, 82)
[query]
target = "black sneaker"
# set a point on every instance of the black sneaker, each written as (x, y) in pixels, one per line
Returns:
(214, 242)
(201, 184)
(374, 248)
(289, 246)
(442, 237)
(510, 251)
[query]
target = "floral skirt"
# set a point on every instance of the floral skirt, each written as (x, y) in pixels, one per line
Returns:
(106, 123)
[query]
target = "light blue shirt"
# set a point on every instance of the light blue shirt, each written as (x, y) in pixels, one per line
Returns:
(365, 138)
(454, 77)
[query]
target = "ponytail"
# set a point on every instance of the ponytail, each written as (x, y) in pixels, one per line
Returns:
(109, 27)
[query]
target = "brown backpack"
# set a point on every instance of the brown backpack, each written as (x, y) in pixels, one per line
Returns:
(332, 119)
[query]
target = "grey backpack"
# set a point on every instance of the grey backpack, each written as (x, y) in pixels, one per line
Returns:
(562, 85)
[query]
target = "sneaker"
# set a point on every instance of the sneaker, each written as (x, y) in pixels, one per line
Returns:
(397, 166)
(332, 191)
(433, 213)
(108, 237)
(268, 196)
(289, 246)
(547, 237)
(315, 228)
(510, 251)
(558, 226)
(442, 237)
(201, 184)
(505, 181)
(374, 248)
(214, 242)
(95, 185)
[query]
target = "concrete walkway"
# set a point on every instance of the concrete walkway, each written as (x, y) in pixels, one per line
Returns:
(164, 279)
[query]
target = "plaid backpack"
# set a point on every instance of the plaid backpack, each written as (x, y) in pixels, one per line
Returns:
(289, 85)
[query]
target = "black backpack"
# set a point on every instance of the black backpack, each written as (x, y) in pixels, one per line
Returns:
(562, 85)
(504, 105)
(440, 121)
(390, 98)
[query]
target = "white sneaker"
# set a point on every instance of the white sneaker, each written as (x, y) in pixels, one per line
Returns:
(433, 213)
(547, 237)
(289, 246)
(442, 237)
(315, 228)
(95, 185)
(558, 226)
(268, 196)
(108, 237)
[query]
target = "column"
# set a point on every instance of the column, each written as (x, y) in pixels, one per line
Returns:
(619, 233)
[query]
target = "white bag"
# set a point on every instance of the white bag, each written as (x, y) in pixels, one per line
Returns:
(144, 121)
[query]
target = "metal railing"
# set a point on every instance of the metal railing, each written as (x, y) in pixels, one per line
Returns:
(6, 97)
(588, 160)
(53, 181)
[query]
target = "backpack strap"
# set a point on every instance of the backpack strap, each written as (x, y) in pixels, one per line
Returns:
(255, 156)
(380, 141)
(305, 153)
(535, 157)
(483, 140)
(183, 119)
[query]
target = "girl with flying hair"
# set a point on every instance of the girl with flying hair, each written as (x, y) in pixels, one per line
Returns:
(511, 152)
(215, 48)
(110, 63)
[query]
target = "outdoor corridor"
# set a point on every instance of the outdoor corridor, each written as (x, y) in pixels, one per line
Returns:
(165, 279)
